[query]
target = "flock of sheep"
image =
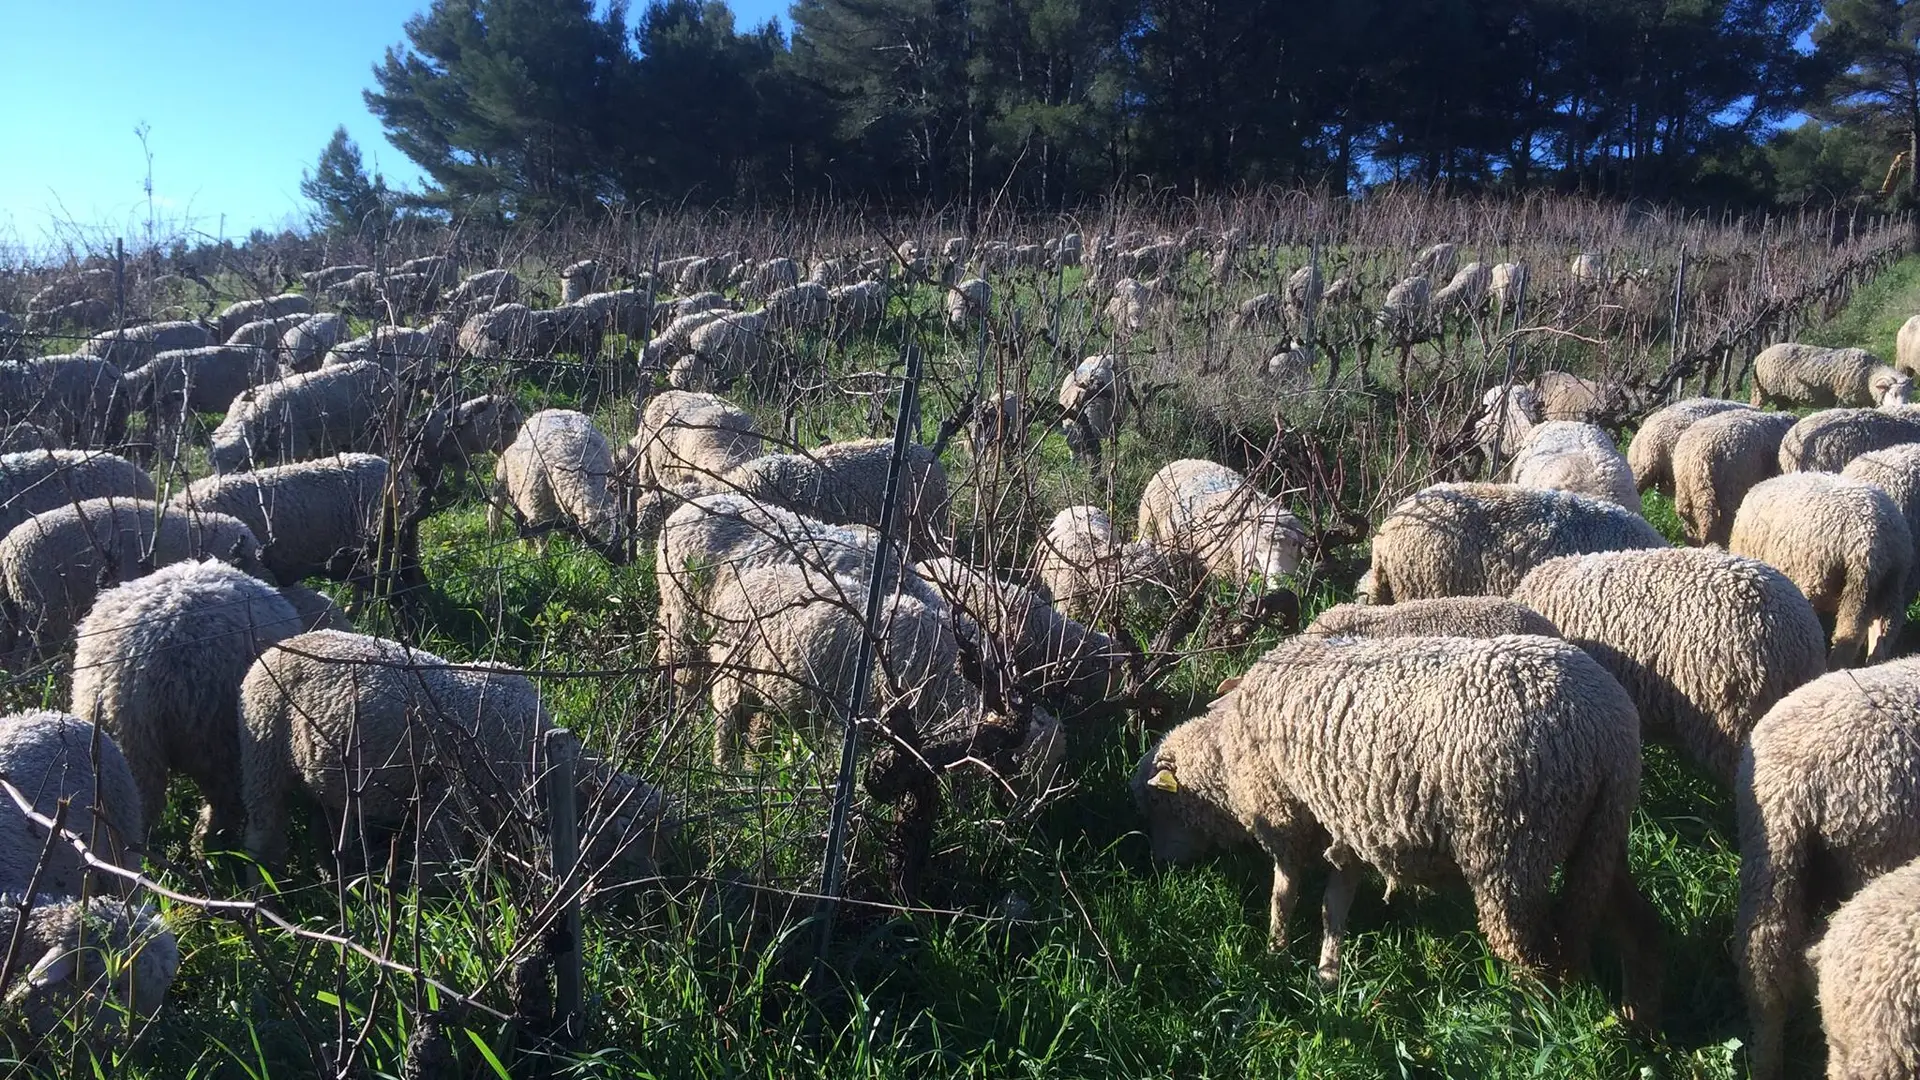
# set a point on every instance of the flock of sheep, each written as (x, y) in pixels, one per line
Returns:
(1540, 626)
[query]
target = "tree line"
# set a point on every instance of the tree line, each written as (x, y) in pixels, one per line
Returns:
(518, 108)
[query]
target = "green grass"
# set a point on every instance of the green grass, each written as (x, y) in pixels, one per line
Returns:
(1048, 944)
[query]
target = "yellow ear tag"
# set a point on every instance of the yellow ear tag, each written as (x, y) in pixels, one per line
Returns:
(1164, 781)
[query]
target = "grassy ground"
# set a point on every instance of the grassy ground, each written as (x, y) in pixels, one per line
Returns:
(1055, 947)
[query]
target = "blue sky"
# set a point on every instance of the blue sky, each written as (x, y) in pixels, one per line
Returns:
(239, 97)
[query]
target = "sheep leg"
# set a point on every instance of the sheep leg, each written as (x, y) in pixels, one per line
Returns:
(729, 713)
(1634, 927)
(1334, 905)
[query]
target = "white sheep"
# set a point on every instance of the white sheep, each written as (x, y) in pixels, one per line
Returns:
(135, 345)
(36, 481)
(686, 437)
(1716, 462)
(158, 666)
(967, 303)
(1506, 283)
(307, 343)
(1789, 374)
(1566, 455)
(334, 409)
(1868, 964)
(1211, 523)
(314, 518)
(97, 964)
(559, 472)
(53, 758)
(200, 380)
(1825, 441)
(1093, 401)
(241, 312)
(1650, 454)
(857, 307)
(1087, 571)
(82, 399)
(845, 483)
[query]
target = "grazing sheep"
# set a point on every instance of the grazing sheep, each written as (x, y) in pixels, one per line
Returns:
(1093, 401)
(1303, 292)
(264, 337)
(1344, 292)
(623, 311)
(857, 307)
(1428, 759)
(158, 666)
(733, 344)
(1507, 414)
(1825, 441)
(452, 437)
(1588, 268)
(1481, 539)
(1567, 455)
(1137, 303)
(1896, 471)
(245, 311)
(1047, 652)
(307, 343)
(845, 483)
(393, 734)
(967, 303)
(1211, 523)
(1705, 642)
(1447, 616)
(579, 279)
(1828, 799)
(802, 306)
(335, 409)
(401, 350)
(52, 757)
(785, 639)
(687, 437)
(1467, 292)
(82, 399)
(1505, 284)
(770, 277)
(1085, 569)
(559, 472)
(998, 421)
(53, 564)
(1716, 462)
(1565, 396)
(1868, 964)
(1906, 348)
(498, 332)
(1437, 261)
(1258, 313)
(309, 515)
(1845, 544)
(37, 481)
(1405, 314)
(674, 339)
(94, 964)
(201, 380)
(1650, 454)
(484, 291)
(327, 277)
(1289, 367)
(1789, 374)
(135, 345)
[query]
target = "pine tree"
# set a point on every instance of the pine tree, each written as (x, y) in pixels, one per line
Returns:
(1874, 48)
(346, 199)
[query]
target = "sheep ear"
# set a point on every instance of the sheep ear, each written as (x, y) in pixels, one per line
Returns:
(55, 967)
(1227, 686)
(1164, 780)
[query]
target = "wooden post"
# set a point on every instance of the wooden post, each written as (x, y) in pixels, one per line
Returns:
(563, 822)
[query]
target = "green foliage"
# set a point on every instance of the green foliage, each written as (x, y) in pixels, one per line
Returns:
(345, 198)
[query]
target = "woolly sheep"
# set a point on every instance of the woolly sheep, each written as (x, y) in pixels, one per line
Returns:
(305, 514)
(1906, 349)
(1423, 758)
(453, 436)
(265, 335)
(1404, 314)
(434, 267)
(51, 757)
(302, 416)
(785, 641)
(1567, 455)
(1257, 313)
(426, 740)
(1650, 454)
(158, 666)
(710, 537)
(674, 339)
(1828, 799)
(1825, 441)
(1565, 396)
(398, 349)
(799, 307)
(135, 345)
(245, 311)
(1093, 400)
(687, 436)
(306, 343)
(1790, 373)
(623, 311)
(1896, 471)
(1503, 424)
(1481, 539)
(579, 279)
(328, 276)
(1447, 616)
(967, 303)
(845, 483)
(1344, 292)
(1047, 652)
(82, 399)
(1437, 261)
(1467, 292)
(1868, 964)
(502, 331)
(1588, 268)
(1705, 642)
(998, 421)
(125, 954)
(734, 344)
(37, 481)
(1136, 303)
(53, 564)
(1085, 569)
(769, 277)
(484, 291)
(1303, 292)
(1844, 543)
(1505, 284)
(559, 472)
(858, 306)
(203, 380)
(1716, 462)
(1212, 523)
